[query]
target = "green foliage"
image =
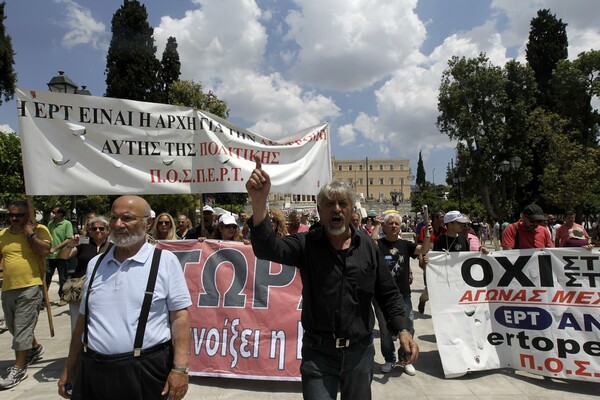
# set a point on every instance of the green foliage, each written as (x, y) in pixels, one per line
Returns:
(420, 172)
(173, 204)
(8, 77)
(170, 67)
(132, 70)
(190, 94)
(11, 169)
(547, 46)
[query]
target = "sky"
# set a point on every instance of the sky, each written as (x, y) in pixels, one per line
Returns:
(370, 67)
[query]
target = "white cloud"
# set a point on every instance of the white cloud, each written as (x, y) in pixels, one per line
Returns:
(228, 61)
(348, 45)
(347, 134)
(5, 128)
(82, 27)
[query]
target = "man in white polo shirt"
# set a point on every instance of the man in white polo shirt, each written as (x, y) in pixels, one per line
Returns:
(122, 358)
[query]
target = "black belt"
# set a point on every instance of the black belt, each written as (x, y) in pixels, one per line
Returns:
(332, 341)
(89, 353)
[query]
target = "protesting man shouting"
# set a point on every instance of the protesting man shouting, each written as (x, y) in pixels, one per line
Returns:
(342, 270)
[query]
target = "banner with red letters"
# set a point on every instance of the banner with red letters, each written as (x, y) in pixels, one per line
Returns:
(74, 144)
(245, 313)
(535, 310)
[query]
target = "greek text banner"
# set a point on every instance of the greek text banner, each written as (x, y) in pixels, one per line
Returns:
(245, 312)
(533, 310)
(74, 144)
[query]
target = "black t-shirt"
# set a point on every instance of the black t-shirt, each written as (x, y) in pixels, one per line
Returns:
(396, 255)
(445, 242)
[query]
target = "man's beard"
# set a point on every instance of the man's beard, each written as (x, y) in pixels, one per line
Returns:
(125, 238)
(337, 231)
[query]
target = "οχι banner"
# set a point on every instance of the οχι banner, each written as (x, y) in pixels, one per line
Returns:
(245, 312)
(534, 310)
(74, 144)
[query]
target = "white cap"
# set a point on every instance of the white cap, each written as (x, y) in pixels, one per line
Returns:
(152, 214)
(208, 208)
(455, 216)
(227, 219)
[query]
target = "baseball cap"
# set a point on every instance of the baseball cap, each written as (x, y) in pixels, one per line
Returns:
(455, 216)
(207, 209)
(533, 212)
(227, 219)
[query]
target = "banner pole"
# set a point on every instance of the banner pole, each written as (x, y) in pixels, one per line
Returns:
(42, 267)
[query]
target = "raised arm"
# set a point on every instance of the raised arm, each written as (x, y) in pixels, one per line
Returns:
(258, 187)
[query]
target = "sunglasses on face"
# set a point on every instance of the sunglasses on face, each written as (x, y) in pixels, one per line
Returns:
(231, 226)
(97, 228)
(163, 223)
(16, 215)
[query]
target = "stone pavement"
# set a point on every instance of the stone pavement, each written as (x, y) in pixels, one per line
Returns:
(429, 383)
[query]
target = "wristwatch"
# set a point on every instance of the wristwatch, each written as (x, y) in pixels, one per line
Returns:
(181, 368)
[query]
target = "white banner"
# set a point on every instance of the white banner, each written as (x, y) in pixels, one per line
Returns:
(531, 310)
(74, 144)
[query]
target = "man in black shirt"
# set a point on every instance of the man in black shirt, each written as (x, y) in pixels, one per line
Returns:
(452, 239)
(342, 271)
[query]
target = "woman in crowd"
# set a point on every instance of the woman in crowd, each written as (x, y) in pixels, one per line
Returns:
(228, 229)
(84, 252)
(278, 221)
(164, 227)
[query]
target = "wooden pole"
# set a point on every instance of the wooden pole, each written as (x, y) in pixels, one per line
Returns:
(42, 266)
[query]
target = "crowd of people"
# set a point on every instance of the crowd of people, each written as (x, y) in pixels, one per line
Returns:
(342, 257)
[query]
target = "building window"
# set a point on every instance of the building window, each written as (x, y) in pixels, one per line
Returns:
(401, 181)
(381, 167)
(350, 181)
(340, 167)
(360, 167)
(391, 181)
(370, 167)
(381, 181)
(391, 167)
(371, 181)
(401, 167)
(349, 167)
(360, 181)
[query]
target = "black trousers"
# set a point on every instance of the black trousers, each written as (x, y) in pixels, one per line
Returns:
(122, 376)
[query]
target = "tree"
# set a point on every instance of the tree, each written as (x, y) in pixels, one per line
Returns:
(11, 169)
(170, 67)
(190, 94)
(471, 101)
(547, 46)
(8, 76)
(420, 172)
(132, 70)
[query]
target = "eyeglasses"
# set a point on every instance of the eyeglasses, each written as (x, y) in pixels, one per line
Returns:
(182, 222)
(163, 223)
(16, 215)
(231, 226)
(97, 228)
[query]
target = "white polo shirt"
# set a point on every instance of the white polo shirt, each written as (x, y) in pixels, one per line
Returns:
(117, 296)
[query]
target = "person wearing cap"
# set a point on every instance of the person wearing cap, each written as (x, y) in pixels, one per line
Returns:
(453, 239)
(527, 233)
(562, 233)
(208, 230)
(228, 229)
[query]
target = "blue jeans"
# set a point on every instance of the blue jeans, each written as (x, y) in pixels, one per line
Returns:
(388, 350)
(324, 369)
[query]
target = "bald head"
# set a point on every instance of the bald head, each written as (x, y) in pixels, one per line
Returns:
(129, 221)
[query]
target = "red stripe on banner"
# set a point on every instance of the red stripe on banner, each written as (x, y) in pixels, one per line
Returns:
(245, 313)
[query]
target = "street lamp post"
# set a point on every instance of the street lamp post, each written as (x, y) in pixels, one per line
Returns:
(506, 166)
(457, 181)
(61, 83)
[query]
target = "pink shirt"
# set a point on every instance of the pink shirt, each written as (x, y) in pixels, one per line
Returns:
(562, 233)
(301, 228)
